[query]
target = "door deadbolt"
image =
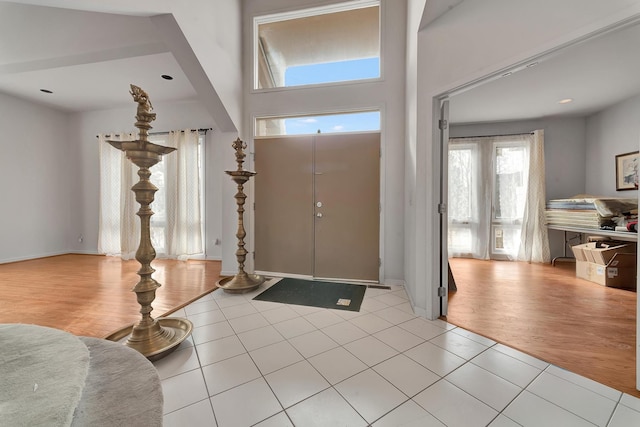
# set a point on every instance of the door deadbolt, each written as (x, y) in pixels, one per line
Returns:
(319, 204)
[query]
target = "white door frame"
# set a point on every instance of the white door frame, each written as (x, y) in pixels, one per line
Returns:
(443, 126)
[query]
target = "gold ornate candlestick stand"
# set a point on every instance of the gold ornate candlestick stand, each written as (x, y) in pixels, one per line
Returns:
(153, 338)
(241, 282)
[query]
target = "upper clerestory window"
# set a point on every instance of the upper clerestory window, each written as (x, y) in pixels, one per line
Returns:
(328, 44)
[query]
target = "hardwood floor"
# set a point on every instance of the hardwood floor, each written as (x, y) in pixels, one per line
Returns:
(547, 312)
(541, 310)
(91, 295)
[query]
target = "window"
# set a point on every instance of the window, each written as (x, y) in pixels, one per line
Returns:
(462, 203)
(320, 45)
(324, 123)
(509, 196)
(487, 195)
(161, 219)
(177, 228)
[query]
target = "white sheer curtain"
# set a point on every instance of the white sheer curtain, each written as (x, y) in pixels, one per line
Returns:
(496, 198)
(119, 228)
(469, 189)
(176, 226)
(183, 233)
(534, 239)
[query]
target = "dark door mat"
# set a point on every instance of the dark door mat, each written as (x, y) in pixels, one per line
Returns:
(313, 293)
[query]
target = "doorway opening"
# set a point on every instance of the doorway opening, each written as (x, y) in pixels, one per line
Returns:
(564, 54)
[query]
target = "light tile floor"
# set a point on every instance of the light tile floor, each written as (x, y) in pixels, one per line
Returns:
(268, 364)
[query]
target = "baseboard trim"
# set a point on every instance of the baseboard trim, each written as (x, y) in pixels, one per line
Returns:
(393, 282)
(83, 253)
(29, 258)
(279, 274)
(420, 312)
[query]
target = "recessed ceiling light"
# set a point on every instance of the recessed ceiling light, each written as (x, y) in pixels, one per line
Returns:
(565, 101)
(45, 91)
(167, 77)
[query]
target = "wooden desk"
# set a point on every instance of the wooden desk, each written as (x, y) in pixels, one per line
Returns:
(626, 236)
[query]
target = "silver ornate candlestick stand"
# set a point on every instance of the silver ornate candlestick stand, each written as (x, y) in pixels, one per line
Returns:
(153, 338)
(241, 282)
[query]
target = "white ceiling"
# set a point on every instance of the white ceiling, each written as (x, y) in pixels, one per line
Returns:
(596, 74)
(88, 59)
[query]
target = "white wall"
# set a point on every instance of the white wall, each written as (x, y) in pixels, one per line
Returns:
(613, 131)
(414, 233)
(564, 156)
(36, 160)
(84, 206)
(49, 170)
(472, 41)
(387, 94)
(213, 30)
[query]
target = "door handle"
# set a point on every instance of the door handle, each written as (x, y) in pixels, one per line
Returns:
(319, 214)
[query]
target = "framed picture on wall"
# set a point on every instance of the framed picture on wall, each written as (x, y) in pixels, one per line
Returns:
(627, 171)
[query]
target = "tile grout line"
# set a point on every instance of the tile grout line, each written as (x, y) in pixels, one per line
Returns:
(393, 324)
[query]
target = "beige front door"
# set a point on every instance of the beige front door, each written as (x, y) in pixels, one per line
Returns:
(317, 205)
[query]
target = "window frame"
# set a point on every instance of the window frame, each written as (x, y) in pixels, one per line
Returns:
(258, 134)
(308, 12)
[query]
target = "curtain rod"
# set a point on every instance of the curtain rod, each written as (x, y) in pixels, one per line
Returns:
(167, 132)
(490, 136)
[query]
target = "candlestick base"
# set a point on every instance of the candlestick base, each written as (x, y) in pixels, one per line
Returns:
(157, 340)
(241, 283)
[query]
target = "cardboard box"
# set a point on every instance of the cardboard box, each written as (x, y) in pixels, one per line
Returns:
(602, 252)
(610, 264)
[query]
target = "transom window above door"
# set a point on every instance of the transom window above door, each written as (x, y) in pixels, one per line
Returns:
(327, 44)
(361, 121)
